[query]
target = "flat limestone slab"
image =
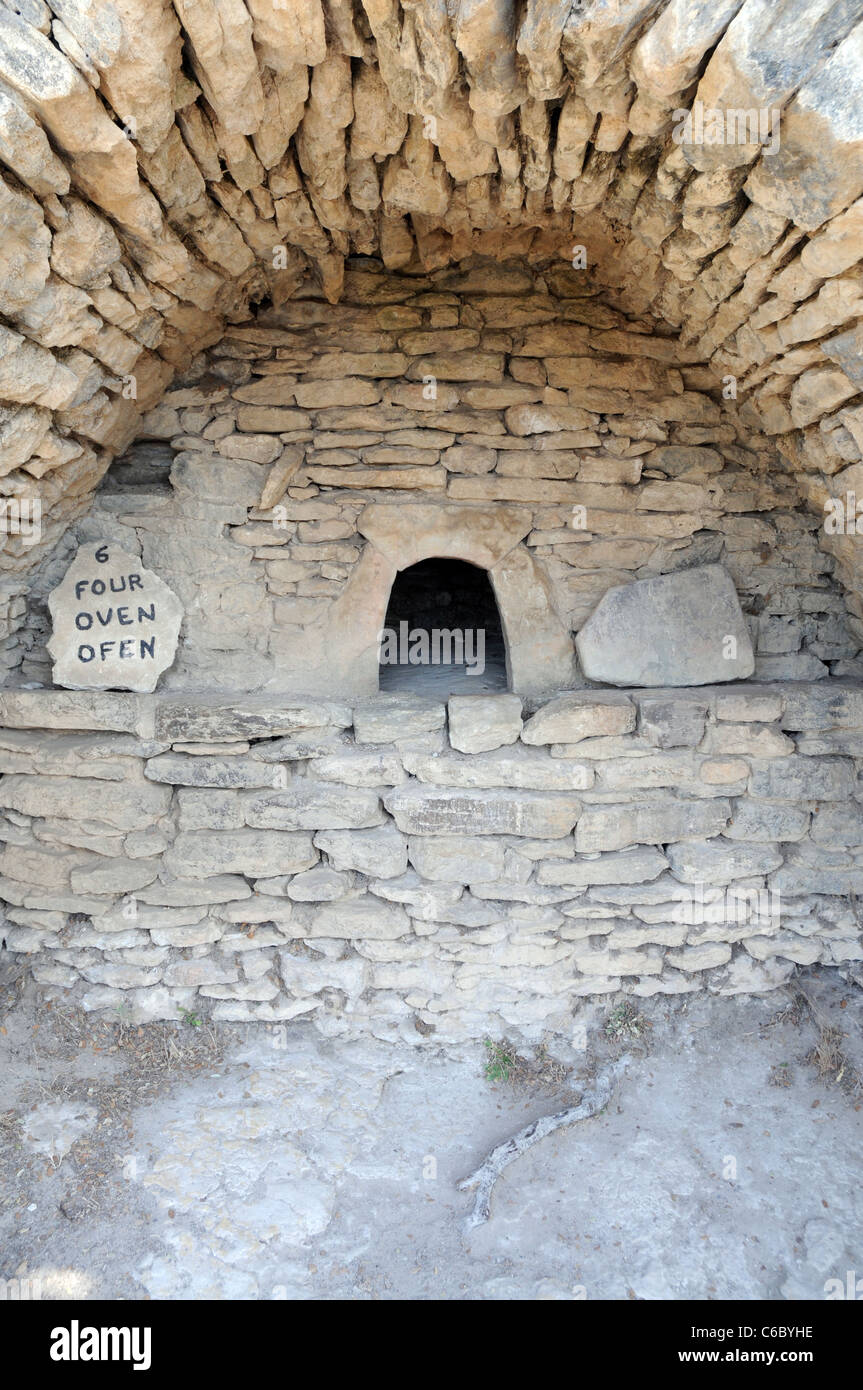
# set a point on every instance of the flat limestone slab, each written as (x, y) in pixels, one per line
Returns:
(116, 624)
(422, 810)
(678, 629)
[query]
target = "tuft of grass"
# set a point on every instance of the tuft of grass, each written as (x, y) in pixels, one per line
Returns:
(792, 1013)
(831, 1063)
(503, 1063)
(10, 1126)
(500, 1060)
(625, 1022)
(190, 1018)
(828, 1057)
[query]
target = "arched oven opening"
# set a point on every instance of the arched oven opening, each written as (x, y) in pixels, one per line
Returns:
(442, 634)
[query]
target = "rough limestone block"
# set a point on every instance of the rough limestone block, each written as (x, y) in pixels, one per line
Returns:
(394, 717)
(786, 945)
(364, 917)
(420, 810)
(503, 890)
(66, 709)
(740, 706)
(121, 976)
(672, 769)
(704, 957)
(116, 624)
(795, 666)
(822, 707)
(382, 851)
(123, 805)
(671, 721)
(615, 827)
(113, 875)
(425, 901)
(209, 809)
(318, 885)
(582, 714)
(183, 770)
(678, 629)
(307, 977)
(718, 861)
(38, 867)
(802, 779)
(407, 535)
(638, 866)
(200, 853)
(481, 723)
(199, 972)
(362, 767)
(192, 892)
(109, 756)
(199, 934)
(838, 826)
(599, 961)
(767, 821)
(308, 805)
(530, 769)
(804, 873)
(203, 720)
(746, 740)
(457, 858)
(313, 743)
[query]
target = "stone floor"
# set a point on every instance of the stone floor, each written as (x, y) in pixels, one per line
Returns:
(453, 678)
(177, 1163)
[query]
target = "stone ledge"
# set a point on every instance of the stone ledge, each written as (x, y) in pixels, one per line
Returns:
(816, 706)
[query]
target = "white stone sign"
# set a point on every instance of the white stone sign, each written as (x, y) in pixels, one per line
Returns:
(115, 623)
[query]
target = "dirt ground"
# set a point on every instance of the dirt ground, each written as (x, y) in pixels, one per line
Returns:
(245, 1163)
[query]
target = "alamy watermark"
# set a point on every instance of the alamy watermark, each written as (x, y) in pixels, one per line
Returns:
(77, 1343)
(21, 516)
(843, 516)
(436, 646)
(702, 904)
(731, 125)
(18, 1290)
(850, 1288)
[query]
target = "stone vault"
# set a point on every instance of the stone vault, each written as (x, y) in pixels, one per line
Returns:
(166, 168)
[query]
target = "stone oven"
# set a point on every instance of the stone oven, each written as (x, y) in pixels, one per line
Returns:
(485, 453)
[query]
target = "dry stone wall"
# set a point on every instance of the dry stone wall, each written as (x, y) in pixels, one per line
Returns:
(502, 415)
(361, 865)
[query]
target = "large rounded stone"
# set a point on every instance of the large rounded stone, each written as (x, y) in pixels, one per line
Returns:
(677, 629)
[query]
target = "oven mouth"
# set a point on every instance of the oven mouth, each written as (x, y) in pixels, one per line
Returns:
(442, 633)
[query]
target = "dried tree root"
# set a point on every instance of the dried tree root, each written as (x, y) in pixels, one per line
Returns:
(489, 1171)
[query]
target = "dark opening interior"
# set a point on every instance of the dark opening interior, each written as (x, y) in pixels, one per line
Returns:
(442, 632)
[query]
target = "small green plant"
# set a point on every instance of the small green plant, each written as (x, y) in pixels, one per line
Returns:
(535, 1069)
(500, 1061)
(625, 1021)
(190, 1018)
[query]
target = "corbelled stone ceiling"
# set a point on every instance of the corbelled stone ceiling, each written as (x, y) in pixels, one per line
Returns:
(166, 168)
